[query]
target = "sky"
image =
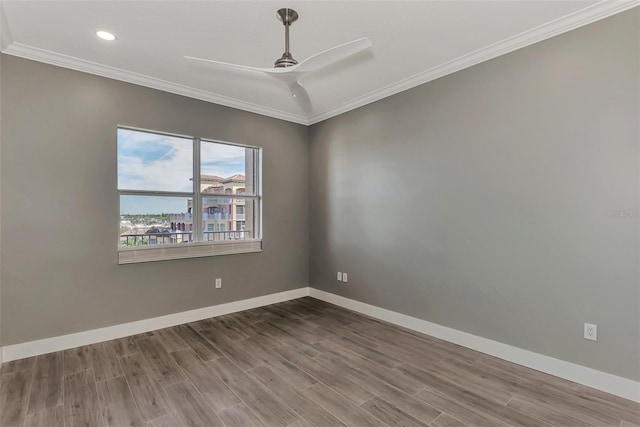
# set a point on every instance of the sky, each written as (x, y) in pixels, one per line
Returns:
(148, 161)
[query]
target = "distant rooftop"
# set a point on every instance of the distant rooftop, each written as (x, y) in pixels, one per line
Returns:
(235, 178)
(218, 179)
(211, 178)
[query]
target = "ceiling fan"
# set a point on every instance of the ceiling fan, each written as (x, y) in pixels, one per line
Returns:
(288, 70)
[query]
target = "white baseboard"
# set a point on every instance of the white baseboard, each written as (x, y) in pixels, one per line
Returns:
(48, 345)
(609, 383)
(580, 374)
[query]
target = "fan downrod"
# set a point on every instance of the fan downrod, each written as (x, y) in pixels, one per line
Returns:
(288, 17)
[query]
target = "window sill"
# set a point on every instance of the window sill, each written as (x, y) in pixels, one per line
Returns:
(192, 250)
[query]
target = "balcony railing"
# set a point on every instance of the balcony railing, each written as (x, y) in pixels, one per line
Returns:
(160, 238)
(223, 201)
(211, 236)
(217, 201)
(180, 217)
(177, 237)
(218, 216)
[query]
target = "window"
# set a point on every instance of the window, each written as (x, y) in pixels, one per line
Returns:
(177, 190)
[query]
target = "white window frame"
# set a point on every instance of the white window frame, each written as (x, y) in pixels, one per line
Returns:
(199, 247)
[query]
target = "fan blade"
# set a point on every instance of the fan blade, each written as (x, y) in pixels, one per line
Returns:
(301, 96)
(329, 56)
(230, 66)
(298, 92)
(312, 63)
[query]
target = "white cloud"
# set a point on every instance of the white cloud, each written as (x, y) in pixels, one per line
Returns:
(171, 172)
(155, 162)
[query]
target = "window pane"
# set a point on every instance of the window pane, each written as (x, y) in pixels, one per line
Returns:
(226, 169)
(155, 220)
(228, 219)
(154, 162)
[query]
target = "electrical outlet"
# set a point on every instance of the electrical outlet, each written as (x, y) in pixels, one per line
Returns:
(344, 277)
(339, 276)
(590, 332)
(218, 283)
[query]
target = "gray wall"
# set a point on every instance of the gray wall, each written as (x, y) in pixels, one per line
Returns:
(477, 201)
(59, 205)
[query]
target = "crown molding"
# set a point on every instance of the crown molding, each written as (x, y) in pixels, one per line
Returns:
(588, 15)
(595, 12)
(66, 61)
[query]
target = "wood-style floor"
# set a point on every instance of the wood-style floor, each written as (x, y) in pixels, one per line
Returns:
(298, 363)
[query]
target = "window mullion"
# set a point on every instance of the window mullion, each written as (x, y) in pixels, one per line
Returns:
(257, 182)
(197, 197)
(153, 193)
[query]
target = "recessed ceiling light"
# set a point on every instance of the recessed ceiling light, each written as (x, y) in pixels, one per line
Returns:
(105, 35)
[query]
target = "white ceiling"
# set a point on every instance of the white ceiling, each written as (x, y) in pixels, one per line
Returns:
(413, 42)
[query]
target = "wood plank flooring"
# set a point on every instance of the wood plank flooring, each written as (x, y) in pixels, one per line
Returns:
(299, 363)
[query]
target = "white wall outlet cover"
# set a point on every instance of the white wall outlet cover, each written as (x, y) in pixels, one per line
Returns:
(344, 277)
(591, 331)
(218, 283)
(339, 276)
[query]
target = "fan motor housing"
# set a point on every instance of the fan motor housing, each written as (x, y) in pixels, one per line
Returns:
(286, 60)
